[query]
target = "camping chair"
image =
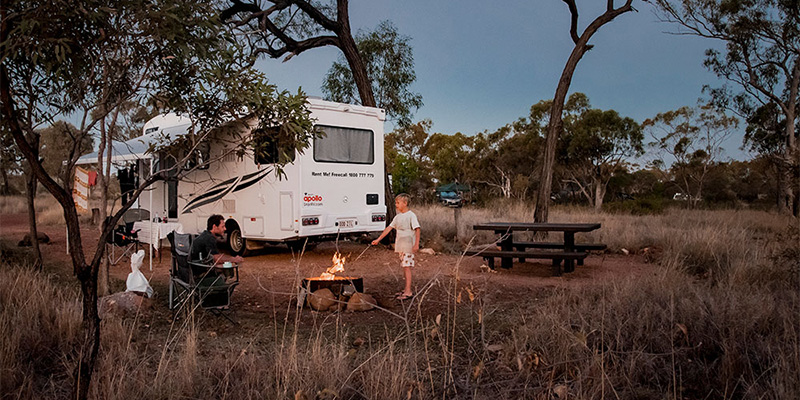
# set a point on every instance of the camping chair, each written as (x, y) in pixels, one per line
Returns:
(124, 236)
(199, 279)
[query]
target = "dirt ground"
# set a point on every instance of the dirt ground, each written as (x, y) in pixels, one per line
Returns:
(269, 279)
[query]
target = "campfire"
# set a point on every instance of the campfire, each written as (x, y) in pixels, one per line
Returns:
(339, 288)
(338, 266)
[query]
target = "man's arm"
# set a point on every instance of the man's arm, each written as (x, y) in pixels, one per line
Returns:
(220, 258)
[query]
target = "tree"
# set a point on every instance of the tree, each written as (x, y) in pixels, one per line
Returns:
(390, 67)
(556, 125)
(47, 72)
(290, 27)
(693, 138)
(405, 158)
(761, 58)
(596, 147)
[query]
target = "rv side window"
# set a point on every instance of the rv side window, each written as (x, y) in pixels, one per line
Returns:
(268, 150)
(344, 145)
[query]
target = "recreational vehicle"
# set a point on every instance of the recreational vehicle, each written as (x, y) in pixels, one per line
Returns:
(336, 187)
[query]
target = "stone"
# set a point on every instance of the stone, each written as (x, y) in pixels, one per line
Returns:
(26, 241)
(361, 302)
(321, 300)
(428, 250)
(123, 305)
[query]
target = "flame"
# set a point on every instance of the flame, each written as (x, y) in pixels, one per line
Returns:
(338, 266)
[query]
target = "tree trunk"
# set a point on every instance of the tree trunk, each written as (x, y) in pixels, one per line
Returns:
(30, 185)
(86, 275)
(556, 124)
(599, 194)
(5, 190)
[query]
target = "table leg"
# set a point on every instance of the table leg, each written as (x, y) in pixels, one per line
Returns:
(569, 246)
(506, 244)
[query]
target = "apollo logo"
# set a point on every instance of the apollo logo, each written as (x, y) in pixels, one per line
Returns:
(312, 198)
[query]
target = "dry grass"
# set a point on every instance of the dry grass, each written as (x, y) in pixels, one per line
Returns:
(48, 210)
(719, 318)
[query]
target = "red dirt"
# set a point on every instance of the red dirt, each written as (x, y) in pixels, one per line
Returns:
(269, 278)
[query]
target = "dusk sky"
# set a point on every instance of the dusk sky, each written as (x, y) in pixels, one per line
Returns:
(481, 65)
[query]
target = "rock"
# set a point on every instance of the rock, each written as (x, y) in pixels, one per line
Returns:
(625, 251)
(26, 241)
(321, 299)
(428, 251)
(123, 305)
(361, 302)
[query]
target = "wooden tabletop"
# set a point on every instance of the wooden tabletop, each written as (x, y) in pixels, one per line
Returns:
(536, 226)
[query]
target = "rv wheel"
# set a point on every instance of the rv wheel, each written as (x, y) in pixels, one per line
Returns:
(236, 242)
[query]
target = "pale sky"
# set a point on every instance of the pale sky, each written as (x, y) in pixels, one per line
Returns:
(481, 65)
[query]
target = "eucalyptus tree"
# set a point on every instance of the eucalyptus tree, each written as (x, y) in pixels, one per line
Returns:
(556, 124)
(390, 66)
(760, 61)
(597, 146)
(692, 138)
(184, 61)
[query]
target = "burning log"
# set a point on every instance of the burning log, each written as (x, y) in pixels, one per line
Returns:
(314, 290)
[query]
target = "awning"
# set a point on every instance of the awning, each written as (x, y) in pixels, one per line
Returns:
(137, 148)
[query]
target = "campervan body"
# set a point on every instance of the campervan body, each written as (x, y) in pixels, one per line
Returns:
(334, 188)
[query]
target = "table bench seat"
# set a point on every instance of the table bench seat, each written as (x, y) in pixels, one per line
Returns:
(556, 256)
(521, 246)
(559, 245)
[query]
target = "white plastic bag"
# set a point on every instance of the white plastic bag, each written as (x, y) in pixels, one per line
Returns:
(136, 280)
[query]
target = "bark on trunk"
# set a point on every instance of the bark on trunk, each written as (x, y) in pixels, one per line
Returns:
(31, 184)
(599, 194)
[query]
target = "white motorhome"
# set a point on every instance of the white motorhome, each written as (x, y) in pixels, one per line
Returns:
(336, 187)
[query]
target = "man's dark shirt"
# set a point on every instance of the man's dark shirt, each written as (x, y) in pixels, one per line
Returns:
(205, 244)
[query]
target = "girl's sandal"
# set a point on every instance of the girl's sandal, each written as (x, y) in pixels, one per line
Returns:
(402, 297)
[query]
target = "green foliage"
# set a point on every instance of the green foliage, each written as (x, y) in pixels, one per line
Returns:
(405, 174)
(390, 67)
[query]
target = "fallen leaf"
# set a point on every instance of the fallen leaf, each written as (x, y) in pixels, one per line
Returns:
(438, 319)
(494, 347)
(476, 372)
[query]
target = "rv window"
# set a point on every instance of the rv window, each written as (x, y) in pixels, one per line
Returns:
(267, 150)
(345, 145)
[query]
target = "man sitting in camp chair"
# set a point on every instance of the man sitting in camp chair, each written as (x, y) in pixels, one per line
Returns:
(204, 251)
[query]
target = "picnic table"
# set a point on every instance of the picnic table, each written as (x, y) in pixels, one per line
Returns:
(567, 251)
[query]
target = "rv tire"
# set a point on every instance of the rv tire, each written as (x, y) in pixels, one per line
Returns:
(236, 242)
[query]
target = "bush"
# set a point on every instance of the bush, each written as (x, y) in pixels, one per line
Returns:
(640, 206)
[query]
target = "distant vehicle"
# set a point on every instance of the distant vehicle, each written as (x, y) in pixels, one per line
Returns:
(451, 199)
(681, 197)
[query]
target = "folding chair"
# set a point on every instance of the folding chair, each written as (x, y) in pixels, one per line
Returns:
(199, 279)
(124, 236)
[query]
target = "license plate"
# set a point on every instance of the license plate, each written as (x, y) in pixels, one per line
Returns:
(347, 223)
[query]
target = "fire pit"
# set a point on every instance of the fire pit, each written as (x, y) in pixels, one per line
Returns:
(339, 285)
(342, 287)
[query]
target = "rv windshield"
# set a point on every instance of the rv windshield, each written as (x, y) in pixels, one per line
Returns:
(344, 145)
